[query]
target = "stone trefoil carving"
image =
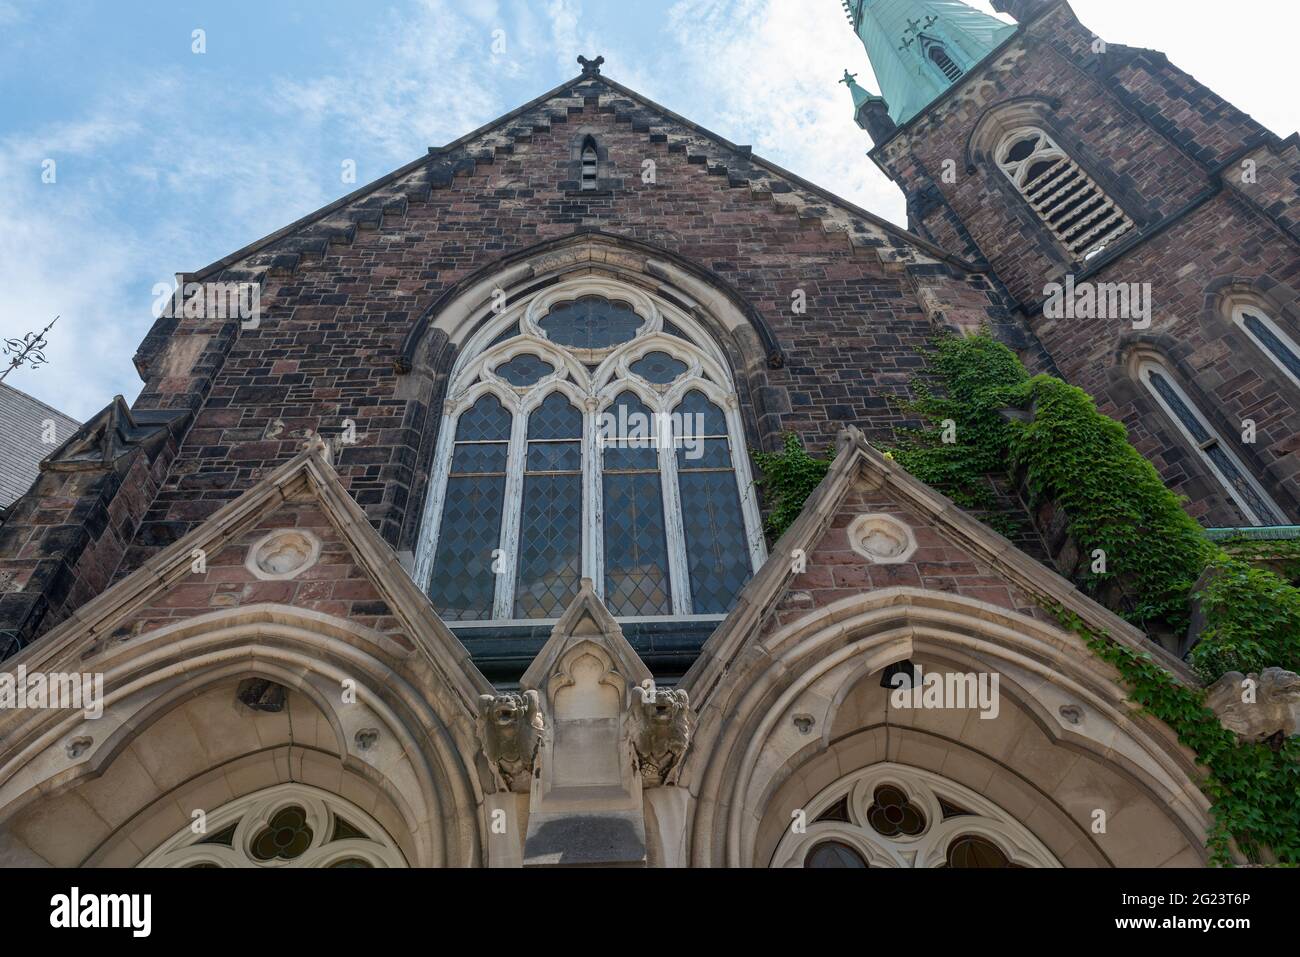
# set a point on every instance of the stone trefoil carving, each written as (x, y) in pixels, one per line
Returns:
(1256, 707)
(661, 731)
(510, 727)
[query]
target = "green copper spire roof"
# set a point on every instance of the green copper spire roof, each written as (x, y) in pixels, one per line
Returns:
(919, 48)
(860, 96)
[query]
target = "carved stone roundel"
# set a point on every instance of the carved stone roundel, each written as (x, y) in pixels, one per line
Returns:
(285, 553)
(881, 539)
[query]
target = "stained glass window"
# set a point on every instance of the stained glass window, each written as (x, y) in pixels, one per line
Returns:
(463, 584)
(524, 370)
(636, 548)
(531, 439)
(591, 322)
(550, 533)
(658, 367)
(717, 552)
(1208, 444)
(1278, 347)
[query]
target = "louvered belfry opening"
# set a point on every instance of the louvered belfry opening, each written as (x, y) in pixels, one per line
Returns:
(940, 58)
(590, 163)
(1077, 211)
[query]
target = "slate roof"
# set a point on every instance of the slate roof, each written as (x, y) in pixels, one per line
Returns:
(22, 425)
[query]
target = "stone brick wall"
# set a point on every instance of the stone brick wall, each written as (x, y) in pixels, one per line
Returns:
(338, 304)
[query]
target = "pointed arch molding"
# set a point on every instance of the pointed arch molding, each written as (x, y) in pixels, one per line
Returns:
(745, 749)
(423, 757)
(709, 297)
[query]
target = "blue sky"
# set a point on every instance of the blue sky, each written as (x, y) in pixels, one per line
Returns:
(167, 159)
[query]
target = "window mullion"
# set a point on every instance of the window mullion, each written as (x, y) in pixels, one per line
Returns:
(745, 486)
(593, 530)
(503, 606)
(428, 542)
(678, 568)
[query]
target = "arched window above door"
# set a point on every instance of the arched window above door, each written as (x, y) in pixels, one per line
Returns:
(590, 430)
(892, 815)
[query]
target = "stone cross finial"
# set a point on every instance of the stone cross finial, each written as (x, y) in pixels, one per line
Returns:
(590, 67)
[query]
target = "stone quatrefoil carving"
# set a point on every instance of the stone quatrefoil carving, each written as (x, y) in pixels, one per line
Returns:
(881, 539)
(285, 553)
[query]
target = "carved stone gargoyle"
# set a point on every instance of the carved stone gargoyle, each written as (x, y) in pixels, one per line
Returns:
(1268, 706)
(661, 731)
(510, 727)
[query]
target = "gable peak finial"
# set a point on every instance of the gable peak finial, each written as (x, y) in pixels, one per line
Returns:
(590, 67)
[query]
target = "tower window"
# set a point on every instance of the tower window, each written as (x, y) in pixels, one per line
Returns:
(937, 54)
(1218, 458)
(1068, 201)
(590, 163)
(1266, 334)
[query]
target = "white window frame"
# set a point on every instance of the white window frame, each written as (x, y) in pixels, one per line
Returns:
(1148, 366)
(593, 393)
(1088, 245)
(927, 849)
(1239, 318)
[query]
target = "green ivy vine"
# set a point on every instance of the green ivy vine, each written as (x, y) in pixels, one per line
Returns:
(788, 478)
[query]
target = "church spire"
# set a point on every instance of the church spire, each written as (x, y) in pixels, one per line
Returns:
(919, 48)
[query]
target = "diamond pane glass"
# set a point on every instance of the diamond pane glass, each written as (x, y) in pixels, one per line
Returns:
(550, 543)
(591, 322)
(658, 367)
(636, 550)
(486, 420)
(471, 457)
(1181, 409)
(524, 370)
(636, 545)
(696, 415)
(463, 584)
(555, 418)
(1281, 351)
(717, 552)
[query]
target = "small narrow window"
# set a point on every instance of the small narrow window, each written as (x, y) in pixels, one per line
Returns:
(1277, 345)
(590, 163)
(938, 55)
(1077, 211)
(1222, 463)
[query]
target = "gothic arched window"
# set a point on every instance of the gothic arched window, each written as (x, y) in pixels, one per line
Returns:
(1266, 334)
(1070, 203)
(1227, 469)
(590, 431)
(937, 53)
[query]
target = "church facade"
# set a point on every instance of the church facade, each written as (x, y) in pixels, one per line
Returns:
(454, 553)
